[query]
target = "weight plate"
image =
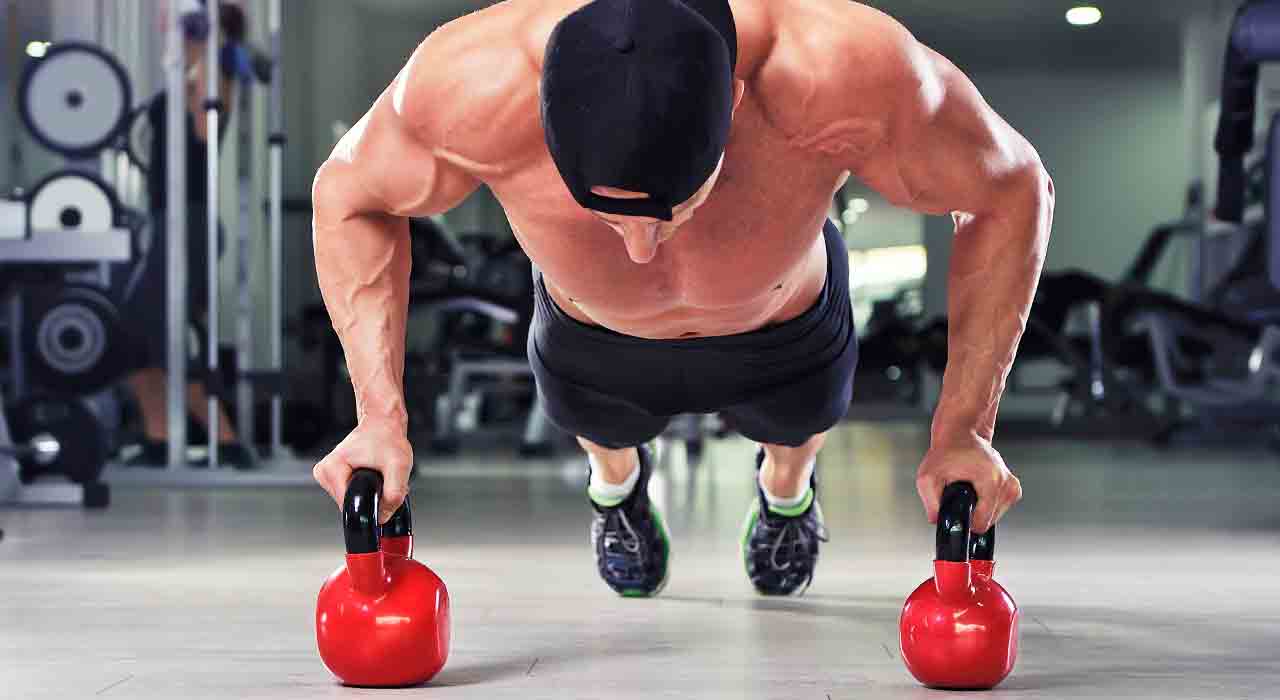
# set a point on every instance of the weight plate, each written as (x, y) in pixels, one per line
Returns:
(69, 201)
(74, 340)
(71, 338)
(74, 100)
(140, 137)
(81, 439)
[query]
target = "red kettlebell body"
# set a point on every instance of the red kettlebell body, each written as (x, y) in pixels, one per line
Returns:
(382, 620)
(959, 629)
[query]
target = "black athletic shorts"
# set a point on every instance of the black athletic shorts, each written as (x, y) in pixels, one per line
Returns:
(141, 290)
(780, 385)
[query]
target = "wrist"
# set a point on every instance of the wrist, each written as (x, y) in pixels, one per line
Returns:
(949, 432)
(392, 420)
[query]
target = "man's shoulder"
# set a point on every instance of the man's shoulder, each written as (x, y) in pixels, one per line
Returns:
(471, 87)
(832, 72)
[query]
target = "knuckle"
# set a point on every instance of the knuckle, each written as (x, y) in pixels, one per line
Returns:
(394, 490)
(320, 472)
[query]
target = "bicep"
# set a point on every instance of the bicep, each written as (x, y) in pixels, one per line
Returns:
(946, 149)
(383, 166)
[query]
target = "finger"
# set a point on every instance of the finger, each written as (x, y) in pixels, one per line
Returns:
(338, 473)
(930, 491)
(321, 474)
(395, 487)
(1015, 490)
(984, 514)
(1011, 494)
(998, 516)
(990, 498)
(393, 496)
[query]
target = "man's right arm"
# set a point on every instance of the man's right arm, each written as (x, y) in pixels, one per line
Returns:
(387, 168)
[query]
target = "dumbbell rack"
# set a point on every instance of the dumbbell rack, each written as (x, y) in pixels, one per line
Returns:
(14, 492)
(44, 248)
(57, 249)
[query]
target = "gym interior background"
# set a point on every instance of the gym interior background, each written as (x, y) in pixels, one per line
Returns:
(1143, 415)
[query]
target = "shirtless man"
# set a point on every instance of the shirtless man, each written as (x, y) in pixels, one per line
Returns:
(668, 165)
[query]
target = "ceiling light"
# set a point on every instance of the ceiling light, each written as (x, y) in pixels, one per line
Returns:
(37, 49)
(1084, 15)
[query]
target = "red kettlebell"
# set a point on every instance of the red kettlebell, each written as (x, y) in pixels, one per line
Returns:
(959, 629)
(382, 620)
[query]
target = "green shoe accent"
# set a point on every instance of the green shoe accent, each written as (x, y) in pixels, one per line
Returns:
(753, 514)
(795, 511)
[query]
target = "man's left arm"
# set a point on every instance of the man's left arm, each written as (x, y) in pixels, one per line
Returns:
(943, 150)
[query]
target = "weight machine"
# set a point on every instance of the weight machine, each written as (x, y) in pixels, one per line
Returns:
(1224, 361)
(75, 101)
(247, 379)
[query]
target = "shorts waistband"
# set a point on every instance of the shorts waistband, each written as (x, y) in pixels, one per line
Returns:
(834, 290)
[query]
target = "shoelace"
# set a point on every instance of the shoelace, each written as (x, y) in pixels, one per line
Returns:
(804, 529)
(630, 545)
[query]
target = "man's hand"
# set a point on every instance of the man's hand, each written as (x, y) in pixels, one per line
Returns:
(977, 462)
(380, 446)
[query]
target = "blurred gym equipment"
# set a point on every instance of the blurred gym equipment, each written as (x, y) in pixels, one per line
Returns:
(62, 336)
(69, 443)
(247, 380)
(1098, 386)
(75, 100)
(891, 351)
(1223, 360)
(474, 292)
(62, 242)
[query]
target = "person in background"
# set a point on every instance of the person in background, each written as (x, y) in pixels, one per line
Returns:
(144, 308)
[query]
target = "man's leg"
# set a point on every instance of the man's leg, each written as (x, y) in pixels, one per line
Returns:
(614, 473)
(629, 536)
(198, 404)
(148, 388)
(785, 473)
(784, 527)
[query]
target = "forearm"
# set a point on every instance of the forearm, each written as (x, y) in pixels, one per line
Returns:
(995, 268)
(362, 264)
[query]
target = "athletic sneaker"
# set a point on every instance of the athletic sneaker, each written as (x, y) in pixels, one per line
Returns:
(780, 548)
(630, 540)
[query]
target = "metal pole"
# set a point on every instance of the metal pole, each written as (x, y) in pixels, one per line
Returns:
(244, 305)
(211, 221)
(276, 139)
(17, 362)
(176, 212)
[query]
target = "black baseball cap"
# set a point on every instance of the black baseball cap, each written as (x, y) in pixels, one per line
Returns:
(638, 95)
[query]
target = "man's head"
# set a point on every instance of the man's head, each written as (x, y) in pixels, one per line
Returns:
(236, 60)
(637, 99)
(232, 23)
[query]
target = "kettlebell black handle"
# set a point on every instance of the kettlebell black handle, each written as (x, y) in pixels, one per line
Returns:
(955, 514)
(360, 514)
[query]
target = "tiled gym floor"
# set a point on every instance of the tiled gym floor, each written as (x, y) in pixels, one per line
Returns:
(1140, 574)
